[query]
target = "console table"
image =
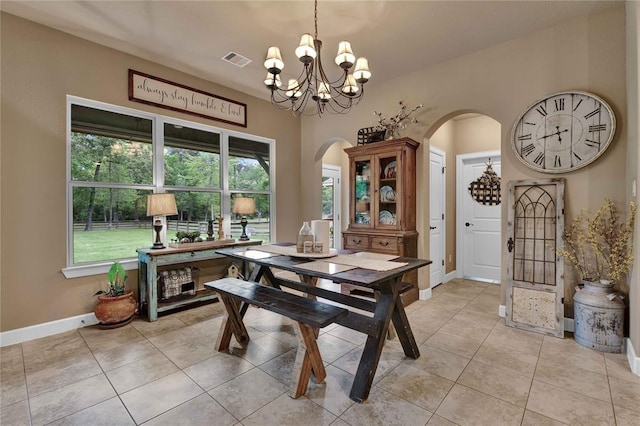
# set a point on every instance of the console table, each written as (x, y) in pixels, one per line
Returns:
(150, 259)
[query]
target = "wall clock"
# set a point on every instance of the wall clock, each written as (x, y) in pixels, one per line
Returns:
(563, 132)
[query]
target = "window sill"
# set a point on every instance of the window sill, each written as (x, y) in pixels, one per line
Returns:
(97, 268)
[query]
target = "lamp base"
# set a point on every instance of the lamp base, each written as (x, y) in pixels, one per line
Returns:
(244, 236)
(157, 226)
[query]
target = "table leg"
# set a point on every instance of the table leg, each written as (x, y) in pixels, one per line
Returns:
(142, 284)
(152, 289)
(373, 347)
(403, 330)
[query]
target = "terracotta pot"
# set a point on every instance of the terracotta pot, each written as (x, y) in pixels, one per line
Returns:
(113, 312)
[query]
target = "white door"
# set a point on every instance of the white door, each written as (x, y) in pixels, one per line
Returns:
(436, 216)
(478, 236)
(331, 206)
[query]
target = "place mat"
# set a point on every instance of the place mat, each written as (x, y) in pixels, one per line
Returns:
(325, 267)
(364, 263)
(256, 254)
(375, 256)
(272, 248)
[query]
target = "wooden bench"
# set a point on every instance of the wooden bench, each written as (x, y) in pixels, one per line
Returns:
(308, 313)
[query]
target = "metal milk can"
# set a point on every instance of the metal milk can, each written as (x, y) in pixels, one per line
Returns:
(598, 312)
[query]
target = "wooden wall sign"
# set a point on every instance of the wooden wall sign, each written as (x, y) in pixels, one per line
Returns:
(156, 91)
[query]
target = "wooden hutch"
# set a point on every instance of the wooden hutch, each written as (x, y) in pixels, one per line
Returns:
(382, 203)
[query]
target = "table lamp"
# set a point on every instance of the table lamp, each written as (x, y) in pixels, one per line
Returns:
(244, 206)
(160, 205)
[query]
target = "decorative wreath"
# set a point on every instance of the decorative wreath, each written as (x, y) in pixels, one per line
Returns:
(486, 189)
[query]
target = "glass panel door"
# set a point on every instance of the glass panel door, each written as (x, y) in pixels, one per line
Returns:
(387, 207)
(363, 192)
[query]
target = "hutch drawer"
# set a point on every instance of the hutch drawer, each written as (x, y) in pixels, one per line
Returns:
(386, 244)
(356, 242)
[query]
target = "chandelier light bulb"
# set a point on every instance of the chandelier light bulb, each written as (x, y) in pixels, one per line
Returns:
(350, 87)
(362, 73)
(345, 57)
(306, 51)
(293, 89)
(274, 63)
(272, 81)
(323, 92)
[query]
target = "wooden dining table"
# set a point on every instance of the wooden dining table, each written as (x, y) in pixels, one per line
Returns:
(382, 274)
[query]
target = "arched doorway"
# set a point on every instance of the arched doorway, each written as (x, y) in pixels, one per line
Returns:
(459, 135)
(335, 166)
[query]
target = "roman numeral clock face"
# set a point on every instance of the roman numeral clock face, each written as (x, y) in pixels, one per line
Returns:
(563, 132)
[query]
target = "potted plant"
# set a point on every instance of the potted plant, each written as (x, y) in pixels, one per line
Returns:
(116, 306)
(599, 248)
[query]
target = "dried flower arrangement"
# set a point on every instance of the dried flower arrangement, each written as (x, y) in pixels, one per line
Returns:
(600, 247)
(394, 124)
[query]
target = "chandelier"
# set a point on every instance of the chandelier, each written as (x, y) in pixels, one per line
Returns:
(313, 85)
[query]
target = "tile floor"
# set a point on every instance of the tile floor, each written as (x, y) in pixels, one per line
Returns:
(472, 370)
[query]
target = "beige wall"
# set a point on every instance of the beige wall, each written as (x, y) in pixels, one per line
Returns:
(463, 135)
(39, 68)
(583, 54)
(633, 157)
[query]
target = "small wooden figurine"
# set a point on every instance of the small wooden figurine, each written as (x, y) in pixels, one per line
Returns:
(220, 231)
(210, 236)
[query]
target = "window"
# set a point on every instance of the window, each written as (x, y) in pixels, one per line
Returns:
(117, 156)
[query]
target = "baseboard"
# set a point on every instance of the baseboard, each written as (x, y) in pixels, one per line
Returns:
(450, 276)
(425, 294)
(502, 311)
(569, 325)
(634, 360)
(20, 335)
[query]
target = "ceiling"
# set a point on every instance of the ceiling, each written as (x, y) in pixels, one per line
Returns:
(398, 37)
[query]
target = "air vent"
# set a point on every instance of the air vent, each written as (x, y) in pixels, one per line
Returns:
(236, 59)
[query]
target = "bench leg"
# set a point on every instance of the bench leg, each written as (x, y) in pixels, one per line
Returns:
(308, 360)
(231, 325)
(313, 282)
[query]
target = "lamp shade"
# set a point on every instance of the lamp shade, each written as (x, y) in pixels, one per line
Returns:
(244, 206)
(161, 205)
(345, 57)
(362, 73)
(274, 63)
(306, 51)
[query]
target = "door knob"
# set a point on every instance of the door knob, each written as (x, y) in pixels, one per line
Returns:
(468, 224)
(432, 227)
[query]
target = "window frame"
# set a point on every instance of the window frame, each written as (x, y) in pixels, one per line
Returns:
(72, 270)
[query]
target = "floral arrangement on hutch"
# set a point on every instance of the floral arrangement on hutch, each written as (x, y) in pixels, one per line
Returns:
(600, 249)
(393, 125)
